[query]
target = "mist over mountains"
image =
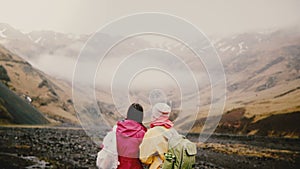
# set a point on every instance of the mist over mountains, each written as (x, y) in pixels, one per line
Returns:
(261, 68)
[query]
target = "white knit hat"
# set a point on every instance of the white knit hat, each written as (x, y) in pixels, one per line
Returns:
(160, 109)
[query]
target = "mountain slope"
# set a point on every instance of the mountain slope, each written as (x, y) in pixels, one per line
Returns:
(15, 110)
(258, 77)
(263, 84)
(49, 96)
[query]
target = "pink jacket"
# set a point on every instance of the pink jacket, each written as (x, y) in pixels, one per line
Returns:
(129, 137)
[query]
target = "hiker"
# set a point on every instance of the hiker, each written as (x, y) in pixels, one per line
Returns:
(130, 133)
(154, 145)
(163, 147)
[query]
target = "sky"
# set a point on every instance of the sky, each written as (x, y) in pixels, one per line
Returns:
(211, 16)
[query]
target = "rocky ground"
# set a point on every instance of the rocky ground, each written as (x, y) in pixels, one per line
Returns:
(72, 148)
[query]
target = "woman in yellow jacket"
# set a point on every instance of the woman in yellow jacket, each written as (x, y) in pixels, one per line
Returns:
(154, 144)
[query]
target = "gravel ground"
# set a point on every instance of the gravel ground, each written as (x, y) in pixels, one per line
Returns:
(72, 148)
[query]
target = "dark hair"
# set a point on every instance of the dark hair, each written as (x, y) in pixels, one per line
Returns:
(135, 112)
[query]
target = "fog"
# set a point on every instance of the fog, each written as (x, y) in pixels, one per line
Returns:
(213, 17)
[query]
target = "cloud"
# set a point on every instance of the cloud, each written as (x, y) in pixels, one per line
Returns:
(213, 17)
(57, 66)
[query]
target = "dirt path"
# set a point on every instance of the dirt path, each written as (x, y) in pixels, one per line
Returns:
(72, 148)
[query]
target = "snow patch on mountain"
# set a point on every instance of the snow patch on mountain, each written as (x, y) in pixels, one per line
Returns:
(241, 45)
(224, 49)
(220, 44)
(242, 48)
(38, 40)
(1, 33)
(30, 37)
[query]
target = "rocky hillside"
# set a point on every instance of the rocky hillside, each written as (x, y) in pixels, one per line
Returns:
(263, 84)
(49, 96)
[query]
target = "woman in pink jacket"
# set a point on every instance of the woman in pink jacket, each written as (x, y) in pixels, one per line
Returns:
(130, 133)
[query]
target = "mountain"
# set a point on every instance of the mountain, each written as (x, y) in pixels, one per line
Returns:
(48, 95)
(32, 45)
(263, 84)
(261, 68)
(264, 68)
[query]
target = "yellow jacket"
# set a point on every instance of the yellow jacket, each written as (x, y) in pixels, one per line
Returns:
(153, 147)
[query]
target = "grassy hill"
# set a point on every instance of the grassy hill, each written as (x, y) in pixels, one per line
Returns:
(48, 95)
(14, 109)
(263, 84)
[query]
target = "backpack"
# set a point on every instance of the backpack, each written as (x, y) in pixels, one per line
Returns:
(107, 158)
(181, 152)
